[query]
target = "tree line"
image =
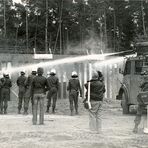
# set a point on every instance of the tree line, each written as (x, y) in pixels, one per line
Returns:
(72, 26)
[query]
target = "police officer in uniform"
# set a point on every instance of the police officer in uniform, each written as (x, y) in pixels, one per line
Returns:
(74, 88)
(28, 94)
(0, 92)
(5, 92)
(21, 84)
(141, 104)
(38, 87)
(53, 83)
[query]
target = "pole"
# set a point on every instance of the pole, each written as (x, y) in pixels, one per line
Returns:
(90, 70)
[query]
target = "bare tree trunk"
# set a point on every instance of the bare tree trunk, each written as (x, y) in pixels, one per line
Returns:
(46, 29)
(4, 19)
(114, 30)
(143, 20)
(36, 29)
(27, 30)
(60, 26)
(105, 28)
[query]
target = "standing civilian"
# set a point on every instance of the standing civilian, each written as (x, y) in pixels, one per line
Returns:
(97, 90)
(38, 87)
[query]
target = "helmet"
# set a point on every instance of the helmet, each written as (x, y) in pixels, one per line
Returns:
(53, 71)
(40, 70)
(22, 71)
(74, 73)
(6, 74)
(34, 71)
(48, 72)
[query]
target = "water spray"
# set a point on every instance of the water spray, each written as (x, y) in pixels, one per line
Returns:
(96, 57)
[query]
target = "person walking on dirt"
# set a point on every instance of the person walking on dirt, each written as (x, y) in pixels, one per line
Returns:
(38, 88)
(21, 84)
(28, 94)
(74, 88)
(53, 84)
(97, 90)
(141, 104)
(5, 93)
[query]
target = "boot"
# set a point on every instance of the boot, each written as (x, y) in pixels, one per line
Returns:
(25, 111)
(71, 113)
(135, 130)
(53, 110)
(77, 112)
(1, 111)
(5, 111)
(47, 111)
(19, 111)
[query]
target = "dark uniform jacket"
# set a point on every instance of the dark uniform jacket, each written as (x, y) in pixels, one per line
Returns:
(97, 90)
(5, 90)
(74, 84)
(21, 83)
(142, 97)
(39, 85)
(28, 83)
(29, 80)
(53, 82)
(0, 88)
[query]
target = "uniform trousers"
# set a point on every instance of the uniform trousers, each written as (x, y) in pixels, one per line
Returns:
(38, 99)
(95, 116)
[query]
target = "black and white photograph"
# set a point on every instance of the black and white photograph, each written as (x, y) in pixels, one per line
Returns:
(73, 73)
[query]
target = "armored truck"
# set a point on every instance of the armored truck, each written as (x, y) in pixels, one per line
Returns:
(133, 75)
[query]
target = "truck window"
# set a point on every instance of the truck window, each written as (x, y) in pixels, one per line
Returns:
(127, 69)
(138, 66)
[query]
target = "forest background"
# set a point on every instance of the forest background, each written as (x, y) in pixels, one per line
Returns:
(72, 26)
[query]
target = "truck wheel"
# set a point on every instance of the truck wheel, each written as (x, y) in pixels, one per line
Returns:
(125, 106)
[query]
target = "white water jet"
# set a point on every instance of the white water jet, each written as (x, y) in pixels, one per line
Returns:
(97, 57)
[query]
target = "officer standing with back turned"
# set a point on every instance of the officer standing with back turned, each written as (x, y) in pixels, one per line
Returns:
(21, 95)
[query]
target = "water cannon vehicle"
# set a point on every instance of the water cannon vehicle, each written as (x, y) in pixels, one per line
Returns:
(134, 71)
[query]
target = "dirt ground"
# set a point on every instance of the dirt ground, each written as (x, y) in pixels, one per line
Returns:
(64, 131)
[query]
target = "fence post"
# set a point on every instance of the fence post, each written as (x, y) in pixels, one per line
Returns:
(108, 81)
